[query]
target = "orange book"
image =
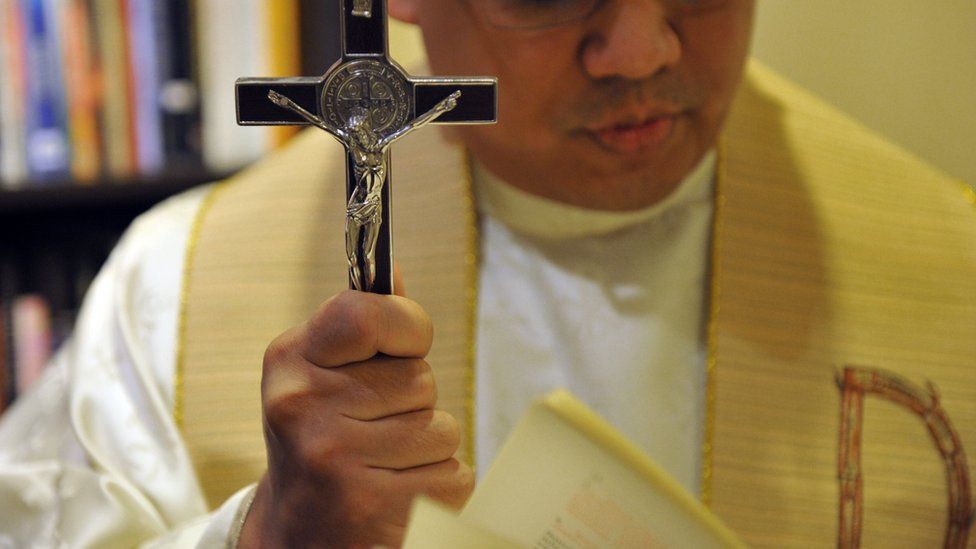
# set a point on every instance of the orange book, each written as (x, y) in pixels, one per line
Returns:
(132, 131)
(13, 100)
(82, 92)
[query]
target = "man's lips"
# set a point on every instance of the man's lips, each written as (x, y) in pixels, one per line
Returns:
(633, 137)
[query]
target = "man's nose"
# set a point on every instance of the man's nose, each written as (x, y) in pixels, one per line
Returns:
(630, 39)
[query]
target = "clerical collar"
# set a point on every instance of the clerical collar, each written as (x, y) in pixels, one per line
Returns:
(542, 217)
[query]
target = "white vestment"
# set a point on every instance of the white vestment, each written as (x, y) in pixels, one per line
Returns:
(93, 457)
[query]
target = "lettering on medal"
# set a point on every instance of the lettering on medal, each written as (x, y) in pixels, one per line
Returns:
(370, 86)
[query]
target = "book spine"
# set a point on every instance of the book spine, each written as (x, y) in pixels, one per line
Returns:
(228, 49)
(13, 102)
(115, 109)
(179, 98)
(48, 154)
(8, 280)
(129, 80)
(31, 322)
(9, 284)
(144, 63)
(81, 85)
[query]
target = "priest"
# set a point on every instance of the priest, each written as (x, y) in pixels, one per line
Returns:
(772, 301)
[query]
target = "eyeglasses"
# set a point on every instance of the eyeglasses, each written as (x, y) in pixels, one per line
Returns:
(534, 14)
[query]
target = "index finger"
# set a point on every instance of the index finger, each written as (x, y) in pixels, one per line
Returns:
(354, 326)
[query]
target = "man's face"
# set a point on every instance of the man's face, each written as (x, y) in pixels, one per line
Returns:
(609, 112)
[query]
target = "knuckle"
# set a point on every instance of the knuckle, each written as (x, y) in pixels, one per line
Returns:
(282, 413)
(359, 323)
(436, 436)
(364, 505)
(448, 430)
(278, 351)
(426, 328)
(456, 486)
(422, 382)
(465, 480)
(326, 454)
(348, 320)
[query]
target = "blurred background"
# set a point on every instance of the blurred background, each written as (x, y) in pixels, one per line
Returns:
(108, 106)
(905, 68)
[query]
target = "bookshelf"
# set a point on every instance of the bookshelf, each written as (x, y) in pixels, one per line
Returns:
(55, 234)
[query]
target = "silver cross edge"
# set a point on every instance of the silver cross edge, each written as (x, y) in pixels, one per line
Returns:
(366, 101)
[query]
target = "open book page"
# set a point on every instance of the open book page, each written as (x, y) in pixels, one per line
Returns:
(565, 479)
(433, 526)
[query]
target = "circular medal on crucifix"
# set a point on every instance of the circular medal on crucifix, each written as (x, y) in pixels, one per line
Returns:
(367, 86)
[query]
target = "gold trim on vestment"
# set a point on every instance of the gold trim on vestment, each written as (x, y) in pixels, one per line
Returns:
(473, 265)
(710, 336)
(191, 247)
(969, 193)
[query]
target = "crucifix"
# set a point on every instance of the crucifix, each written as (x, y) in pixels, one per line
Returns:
(366, 101)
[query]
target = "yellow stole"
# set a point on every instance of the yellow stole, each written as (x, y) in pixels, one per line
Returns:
(831, 248)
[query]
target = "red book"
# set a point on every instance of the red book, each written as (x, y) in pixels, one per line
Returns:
(31, 325)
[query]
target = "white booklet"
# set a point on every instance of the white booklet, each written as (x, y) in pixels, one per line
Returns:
(566, 479)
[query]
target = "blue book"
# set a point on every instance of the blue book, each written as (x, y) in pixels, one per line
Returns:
(144, 62)
(46, 122)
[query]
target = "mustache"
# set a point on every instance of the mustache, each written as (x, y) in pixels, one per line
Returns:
(611, 96)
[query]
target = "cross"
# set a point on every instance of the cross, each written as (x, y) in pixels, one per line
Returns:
(366, 101)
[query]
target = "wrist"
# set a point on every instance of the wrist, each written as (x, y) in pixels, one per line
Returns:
(250, 523)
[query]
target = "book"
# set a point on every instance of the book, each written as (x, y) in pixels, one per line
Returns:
(145, 79)
(13, 102)
(565, 478)
(48, 152)
(109, 39)
(228, 48)
(30, 324)
(81, 87)
(261, 40)
(179, 95)
(9, 287)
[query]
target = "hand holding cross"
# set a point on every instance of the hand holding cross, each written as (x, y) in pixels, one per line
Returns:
(348, 401)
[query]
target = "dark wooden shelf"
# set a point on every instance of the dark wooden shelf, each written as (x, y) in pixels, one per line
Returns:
(52, 231)
(52, 197)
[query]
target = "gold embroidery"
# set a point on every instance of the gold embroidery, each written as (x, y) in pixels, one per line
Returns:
(713, 294)
(191, 246)
(969, 193)
(473, 264)
(854, 384)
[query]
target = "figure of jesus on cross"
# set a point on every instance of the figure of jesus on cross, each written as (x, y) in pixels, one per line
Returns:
(371, 155)
(366, 101)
